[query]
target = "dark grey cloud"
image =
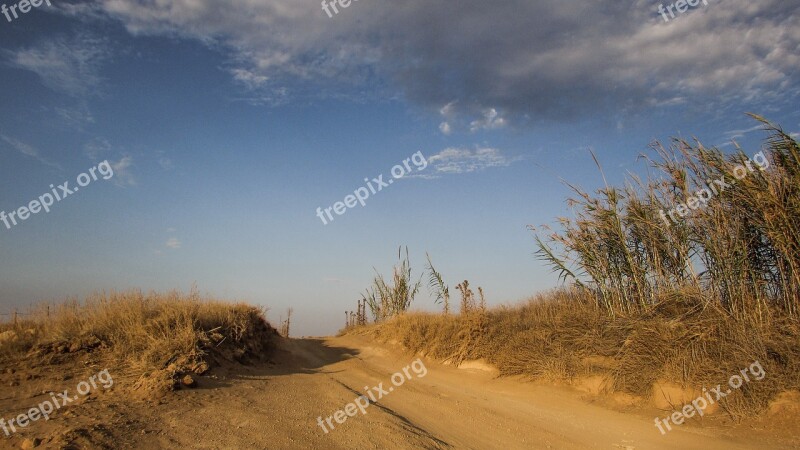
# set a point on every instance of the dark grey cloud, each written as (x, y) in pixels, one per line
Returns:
(524, 59)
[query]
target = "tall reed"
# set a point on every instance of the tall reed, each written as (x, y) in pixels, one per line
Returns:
(389, 299)
(741, 250)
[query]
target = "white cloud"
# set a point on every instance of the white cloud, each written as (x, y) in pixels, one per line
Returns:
(491, 121)
(461, 160)
(448, 110)
(122, 173)
(249, 78)
(448, 113)
(173, 243)
(453, 115)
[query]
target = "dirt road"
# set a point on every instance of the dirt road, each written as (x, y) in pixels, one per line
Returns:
(278, 406)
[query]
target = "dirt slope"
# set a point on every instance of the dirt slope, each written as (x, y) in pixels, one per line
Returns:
(276, 405)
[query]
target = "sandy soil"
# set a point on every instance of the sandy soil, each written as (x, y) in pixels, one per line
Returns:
(276, 405)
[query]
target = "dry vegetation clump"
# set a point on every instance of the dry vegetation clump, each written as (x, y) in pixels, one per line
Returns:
(157, 337)
(387, 299)
(564, 335)
(740, 248)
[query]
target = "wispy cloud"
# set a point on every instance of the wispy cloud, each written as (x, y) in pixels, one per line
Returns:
(737, 134)
(97, 147)
(461, 160)
(68, 65)
(28, 150)
(173, 243)
(165, 163)
(76, 117)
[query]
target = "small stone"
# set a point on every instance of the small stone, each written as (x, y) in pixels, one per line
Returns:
(188, 381)
(200, 368)
(30, 443)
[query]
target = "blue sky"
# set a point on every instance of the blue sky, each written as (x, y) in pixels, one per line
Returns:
(228, 125)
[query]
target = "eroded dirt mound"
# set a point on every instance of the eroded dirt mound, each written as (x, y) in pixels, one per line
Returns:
(98, 378)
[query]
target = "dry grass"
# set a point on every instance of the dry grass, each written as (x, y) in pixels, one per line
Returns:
(564, 334)
(157, 336)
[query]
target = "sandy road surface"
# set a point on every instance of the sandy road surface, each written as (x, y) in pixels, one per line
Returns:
(277, 406)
